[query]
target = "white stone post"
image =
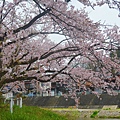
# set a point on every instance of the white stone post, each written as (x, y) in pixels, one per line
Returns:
(13, 102)
(20, 102)
(11, 105)
(17, 101)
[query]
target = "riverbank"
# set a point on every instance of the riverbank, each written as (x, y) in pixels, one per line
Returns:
(90, 113)
(29, 113)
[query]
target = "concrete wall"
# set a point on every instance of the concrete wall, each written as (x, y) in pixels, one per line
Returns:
(86, 101)
(49, 101)
(91, 100)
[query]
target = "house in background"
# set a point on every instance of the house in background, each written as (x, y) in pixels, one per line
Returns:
(37, 88)
(44, 88)
(7, 95)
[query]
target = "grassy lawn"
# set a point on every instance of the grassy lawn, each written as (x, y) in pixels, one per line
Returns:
(29, 113)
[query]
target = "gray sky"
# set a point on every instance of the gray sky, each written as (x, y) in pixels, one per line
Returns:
(103, 14)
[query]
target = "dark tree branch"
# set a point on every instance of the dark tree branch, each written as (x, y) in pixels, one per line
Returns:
(69, 49)
(2, 11)
(21, 78)
(32, 21)
(2, 73)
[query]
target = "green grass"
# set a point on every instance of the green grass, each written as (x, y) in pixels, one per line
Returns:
(29, 113)
(94, 114)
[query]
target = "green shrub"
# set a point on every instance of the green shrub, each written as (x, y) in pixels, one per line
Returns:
(94, 114)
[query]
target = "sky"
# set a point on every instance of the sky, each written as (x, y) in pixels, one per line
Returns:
(104, 14)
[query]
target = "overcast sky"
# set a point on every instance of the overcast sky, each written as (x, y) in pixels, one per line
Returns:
(104, 13)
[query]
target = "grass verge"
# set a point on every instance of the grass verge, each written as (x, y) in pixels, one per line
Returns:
(29, 113)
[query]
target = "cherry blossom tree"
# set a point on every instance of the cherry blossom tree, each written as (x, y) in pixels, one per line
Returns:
(114, 4)
(81, 59)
